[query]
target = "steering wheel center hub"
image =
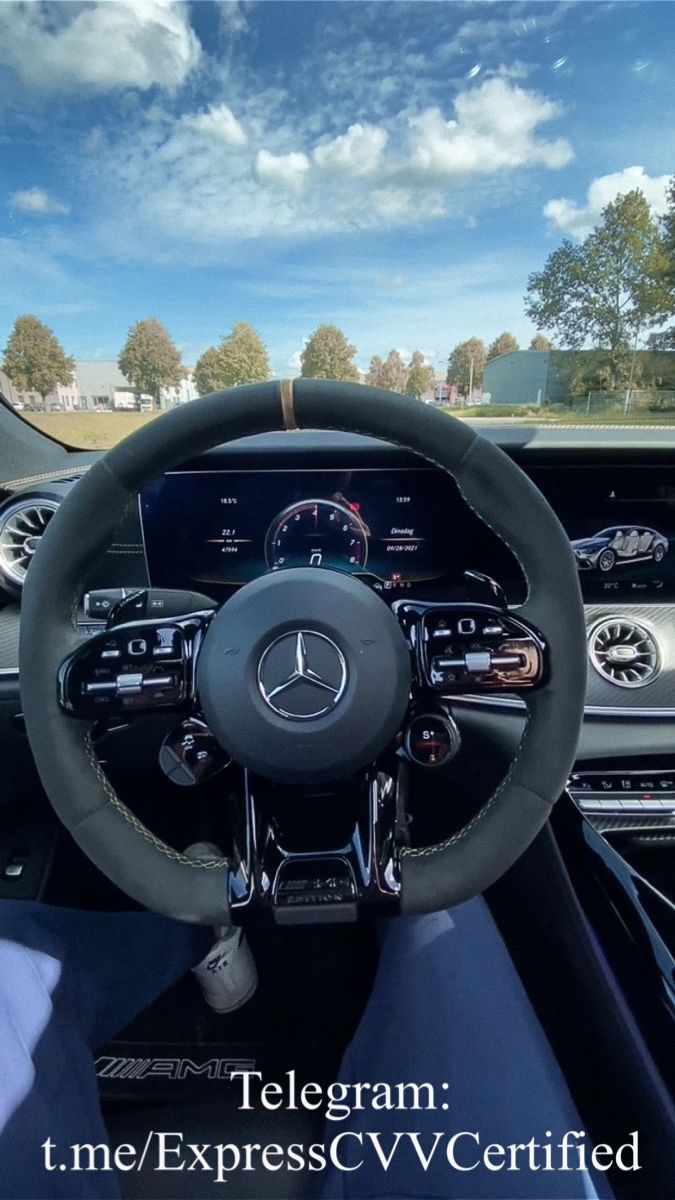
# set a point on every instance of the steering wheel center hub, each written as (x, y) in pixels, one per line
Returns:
(302, 692)
(304, 675)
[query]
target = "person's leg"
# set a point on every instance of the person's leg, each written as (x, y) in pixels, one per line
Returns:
(448, 1009)
(68, 981)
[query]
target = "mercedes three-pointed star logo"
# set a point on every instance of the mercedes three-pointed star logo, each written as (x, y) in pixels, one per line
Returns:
(294, 689)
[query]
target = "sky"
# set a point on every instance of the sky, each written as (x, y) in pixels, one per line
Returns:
(395, 168)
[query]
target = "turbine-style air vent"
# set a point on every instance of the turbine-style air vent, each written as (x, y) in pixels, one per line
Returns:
(22, 524)
(624, 652)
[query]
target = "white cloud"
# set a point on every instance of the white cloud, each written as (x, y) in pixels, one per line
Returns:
(514, 70)
(396, 205)
(494, 35)
(233, 15)
(578, 220)
(102, 46)
(282, 170)
(38, 202)
(355, 154)
(494, 129)
(287, 179)
(218, 121)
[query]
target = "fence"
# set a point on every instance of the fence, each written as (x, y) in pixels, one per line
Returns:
(649, 401)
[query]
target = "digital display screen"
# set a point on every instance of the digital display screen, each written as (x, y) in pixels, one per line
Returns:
(402, 529)
(214, 530)
(621, 526)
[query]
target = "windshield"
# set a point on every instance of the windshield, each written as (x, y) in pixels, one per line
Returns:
(470, 203)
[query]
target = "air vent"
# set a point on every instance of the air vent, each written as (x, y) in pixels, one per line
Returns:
(22, 524)
(624, 652)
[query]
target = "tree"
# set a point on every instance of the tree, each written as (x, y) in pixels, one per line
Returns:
(669, 235)
(328, 355)
(34, 358)
(420, 375)
(466, 364)
(610, 288)
(374, 374)
(541, 342)
(207, 372)
(240, 358)
(150, 360)
(391, 374)
(666, 339)
(504, 344)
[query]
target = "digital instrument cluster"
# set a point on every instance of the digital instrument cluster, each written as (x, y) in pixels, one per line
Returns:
(401, 529)
(396, 528)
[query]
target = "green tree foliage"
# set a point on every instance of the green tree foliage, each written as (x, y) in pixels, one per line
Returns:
(150, 360)
(541, 342)
(583, 371)
(459, 364)
(34, 359)
(504, 344)
(374, 374)
(669, 236)
(207, 372)
(328, 355)
(609, 289)
(391, 374)
(666, 339)
(240, 358)
(420, 375)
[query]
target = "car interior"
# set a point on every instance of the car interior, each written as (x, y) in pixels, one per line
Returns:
(482, 716)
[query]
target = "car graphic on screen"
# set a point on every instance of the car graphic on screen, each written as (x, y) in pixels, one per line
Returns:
(611, 548)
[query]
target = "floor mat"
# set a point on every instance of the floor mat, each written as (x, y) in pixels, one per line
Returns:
(169, 1071)
(210, 1122)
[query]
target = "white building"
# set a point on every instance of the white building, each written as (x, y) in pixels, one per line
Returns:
(98, 383)
(65, 397)
(186, 390)
(102, 385)
(8, 391)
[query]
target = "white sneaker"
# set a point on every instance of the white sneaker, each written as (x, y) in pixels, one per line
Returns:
(228, 975)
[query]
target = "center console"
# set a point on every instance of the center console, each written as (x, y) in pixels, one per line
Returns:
(626, 800)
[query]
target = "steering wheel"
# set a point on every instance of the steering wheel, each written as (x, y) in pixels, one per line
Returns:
(233, 664)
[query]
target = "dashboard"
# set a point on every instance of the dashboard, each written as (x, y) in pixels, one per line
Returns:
(401, 525)
(400, 529)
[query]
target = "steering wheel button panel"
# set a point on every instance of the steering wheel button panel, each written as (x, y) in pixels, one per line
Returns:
(477, 648)
(118, 669)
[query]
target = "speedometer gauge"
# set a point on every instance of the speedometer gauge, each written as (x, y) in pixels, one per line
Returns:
(317, 533)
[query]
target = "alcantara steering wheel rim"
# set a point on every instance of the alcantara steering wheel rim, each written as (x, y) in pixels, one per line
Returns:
(433, 877)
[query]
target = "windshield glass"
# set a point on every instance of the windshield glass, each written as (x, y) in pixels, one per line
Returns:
(470, 203)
